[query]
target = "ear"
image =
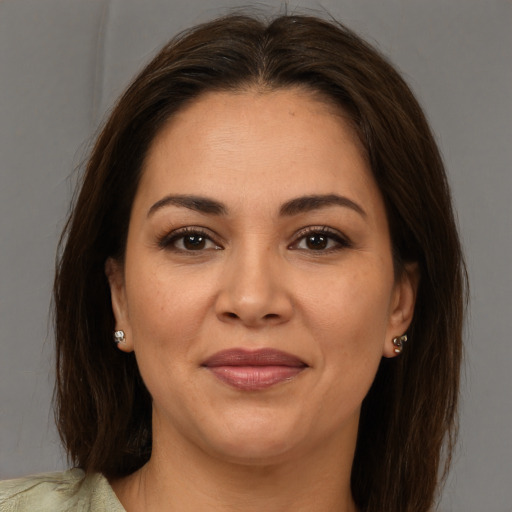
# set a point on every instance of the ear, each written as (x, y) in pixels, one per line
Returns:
(115, 275)
(402, 306)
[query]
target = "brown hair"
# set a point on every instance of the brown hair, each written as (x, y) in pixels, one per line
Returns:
(103, 408)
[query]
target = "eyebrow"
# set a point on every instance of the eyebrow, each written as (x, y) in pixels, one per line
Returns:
(196, 203)
(293, 207)
(316, 202)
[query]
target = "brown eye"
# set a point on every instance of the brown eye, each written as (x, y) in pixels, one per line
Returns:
(188, 240)
(316, 241)
(320, 240)
(194, 242)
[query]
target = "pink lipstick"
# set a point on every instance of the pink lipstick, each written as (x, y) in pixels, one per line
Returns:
(253, 370)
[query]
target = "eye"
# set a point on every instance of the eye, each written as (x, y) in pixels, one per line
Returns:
(187, 240)
(320, 240)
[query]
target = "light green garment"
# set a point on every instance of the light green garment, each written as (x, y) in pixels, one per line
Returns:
(59, 492)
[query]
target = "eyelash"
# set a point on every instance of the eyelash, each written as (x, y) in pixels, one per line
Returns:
(169, 240)
(342, 242)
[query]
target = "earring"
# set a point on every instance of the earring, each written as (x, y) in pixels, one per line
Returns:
(119, 337)
(398, 343)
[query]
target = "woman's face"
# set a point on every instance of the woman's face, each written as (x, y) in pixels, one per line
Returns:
(258, 290)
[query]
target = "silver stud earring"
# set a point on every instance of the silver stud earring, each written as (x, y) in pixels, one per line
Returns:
(119, 337)
(398, 343)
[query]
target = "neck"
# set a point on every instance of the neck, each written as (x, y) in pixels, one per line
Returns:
(184, 478)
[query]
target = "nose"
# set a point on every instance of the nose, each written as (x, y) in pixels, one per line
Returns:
(253, 290)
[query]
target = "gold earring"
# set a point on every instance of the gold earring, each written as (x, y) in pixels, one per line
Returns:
(119, 337)
(398, 343)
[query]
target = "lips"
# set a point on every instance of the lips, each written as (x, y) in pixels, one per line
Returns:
(254, 370)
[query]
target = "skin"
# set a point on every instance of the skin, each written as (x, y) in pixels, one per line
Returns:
(256, 282)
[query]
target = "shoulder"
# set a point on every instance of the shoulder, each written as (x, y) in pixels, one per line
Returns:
(59, 492)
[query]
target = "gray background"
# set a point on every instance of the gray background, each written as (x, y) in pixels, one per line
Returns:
(62, 64)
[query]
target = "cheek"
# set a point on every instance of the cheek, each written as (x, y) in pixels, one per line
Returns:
(166, 308)
(165, 317)
(352, 302)
(349, 317)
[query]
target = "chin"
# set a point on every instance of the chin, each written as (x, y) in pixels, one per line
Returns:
(257, 439)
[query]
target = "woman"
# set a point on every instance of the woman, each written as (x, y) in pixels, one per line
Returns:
(259, 300)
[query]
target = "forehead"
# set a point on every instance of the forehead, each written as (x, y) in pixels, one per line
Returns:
(255, 144)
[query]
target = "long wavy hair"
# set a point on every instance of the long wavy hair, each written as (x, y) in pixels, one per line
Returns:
(408, 420)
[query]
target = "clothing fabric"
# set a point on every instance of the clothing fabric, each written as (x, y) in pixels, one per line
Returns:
(66, 491)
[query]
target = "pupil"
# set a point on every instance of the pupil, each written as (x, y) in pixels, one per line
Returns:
(194, 242)
(317, 242)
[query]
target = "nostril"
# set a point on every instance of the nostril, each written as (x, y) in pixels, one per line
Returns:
(234, 316)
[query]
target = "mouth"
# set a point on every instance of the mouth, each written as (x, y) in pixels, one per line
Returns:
(253, 370)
